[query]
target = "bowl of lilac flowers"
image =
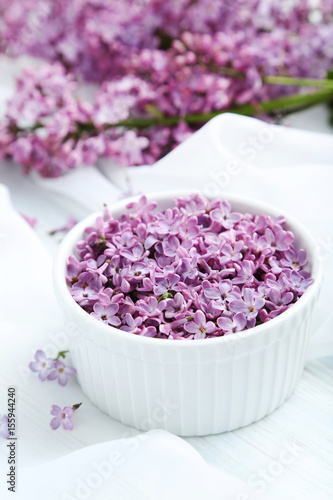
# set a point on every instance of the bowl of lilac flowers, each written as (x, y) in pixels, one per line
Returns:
(191, 314)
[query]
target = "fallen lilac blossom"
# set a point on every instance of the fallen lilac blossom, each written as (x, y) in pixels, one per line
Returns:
(51, 369)
(63, 416)
(4, 433)
(70, 223)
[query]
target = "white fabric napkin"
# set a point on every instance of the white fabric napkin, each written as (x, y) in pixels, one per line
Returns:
(154, 466)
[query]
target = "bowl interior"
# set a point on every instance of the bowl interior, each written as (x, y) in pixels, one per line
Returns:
(303, 239)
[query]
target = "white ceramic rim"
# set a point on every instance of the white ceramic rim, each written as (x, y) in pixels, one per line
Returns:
(67, 248)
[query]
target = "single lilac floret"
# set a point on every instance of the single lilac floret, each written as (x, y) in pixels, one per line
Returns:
(199, 326)
(61, 372)
(42, 365)
(4, 433)
(62, 417)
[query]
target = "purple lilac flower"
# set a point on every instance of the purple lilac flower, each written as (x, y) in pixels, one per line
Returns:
(131, 324)
(165, 284)
(249, 304)
(299, 281)
(73, 270)
(149, 307)
(231, 325)
(51, 369)
(224, 216)
(84, 296)
(187, 272)
(61, 372)
(231, 254)
(245, 271)
(294, 260)
(276, 239)
(106, 314)
(199, 327)
(70, 223)
(175, 306)
(62, 417)
(278, 298)
(42, 365)
(221, 293)
(4, 427)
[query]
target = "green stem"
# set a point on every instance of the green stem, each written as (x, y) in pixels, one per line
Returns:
(284, 104)
(298, 82)
(277, 80)
(61, 354)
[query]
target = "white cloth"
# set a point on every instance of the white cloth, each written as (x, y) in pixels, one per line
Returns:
(153, 466)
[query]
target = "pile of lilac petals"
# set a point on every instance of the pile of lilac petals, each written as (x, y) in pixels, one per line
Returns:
(197, 270)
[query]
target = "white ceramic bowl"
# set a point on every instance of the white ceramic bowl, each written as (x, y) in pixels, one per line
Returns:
(193, 387)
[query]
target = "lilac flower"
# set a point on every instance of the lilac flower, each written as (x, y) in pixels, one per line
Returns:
(224, 216)
(125, 240)
(62, 417)
(294, 260)
(199, 327)
(299, 282)
(189, 228)
(175, 306)
(4, 427)
(249, 304)
(149, 307)
(277, 298)
(134, 254)
(73, 270)
(149, 331)
(170, 223)
(84, 296)
(42, 365)
(131, 324)
(163, 285)
(142, 206)
(61, 372)
(106, 314)
(281, 284)
(224, 292)
(138, 271)
(212, 308)
(91, 278)
(70, 223)
(245, 271)
(276, 239)
(230, 253)
(170, 246)
(275, 265)
(236, 324)
(97, 266)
